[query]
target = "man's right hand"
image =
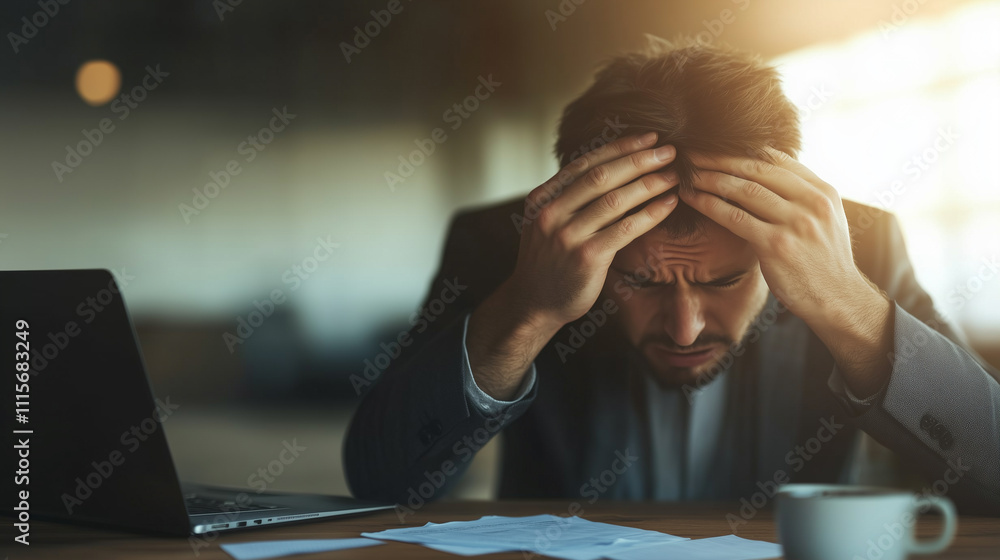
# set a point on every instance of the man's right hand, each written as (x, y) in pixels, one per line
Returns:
(579, 223)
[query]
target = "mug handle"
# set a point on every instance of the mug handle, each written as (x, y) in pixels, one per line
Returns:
(947, 510)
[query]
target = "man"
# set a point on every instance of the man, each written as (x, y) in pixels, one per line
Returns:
(686, 307)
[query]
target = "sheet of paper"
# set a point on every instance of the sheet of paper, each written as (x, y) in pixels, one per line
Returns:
(274, 549)
(571, 538)
(729, 547)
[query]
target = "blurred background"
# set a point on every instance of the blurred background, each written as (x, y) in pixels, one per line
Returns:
(211, 153)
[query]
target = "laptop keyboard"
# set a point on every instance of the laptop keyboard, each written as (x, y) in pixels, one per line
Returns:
(201, 505)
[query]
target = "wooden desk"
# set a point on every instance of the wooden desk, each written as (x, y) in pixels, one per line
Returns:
(978, 537)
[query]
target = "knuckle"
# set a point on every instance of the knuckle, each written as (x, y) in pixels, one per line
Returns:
(597, 176)
(750, 188)
(620, 147)
(537, 198)
(652, 183)
(613, 200)
(778, 155)
(825, 207)
(781, 242)
(587, 254)
(627, 227)
(804, 226)
(638, 160)
(531, 205)
(563, 239)
(756, 167)
(546, 219)
(737, 216)
(829, 191)
(579, 164)
(561, 179)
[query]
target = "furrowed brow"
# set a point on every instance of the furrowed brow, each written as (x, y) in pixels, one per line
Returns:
(725, 279)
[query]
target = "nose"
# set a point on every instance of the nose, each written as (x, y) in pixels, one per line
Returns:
(683, 318)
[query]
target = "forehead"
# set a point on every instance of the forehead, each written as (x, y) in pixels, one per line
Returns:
(712, 250)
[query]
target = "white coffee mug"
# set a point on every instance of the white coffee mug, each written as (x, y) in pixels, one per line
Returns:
(839, 522)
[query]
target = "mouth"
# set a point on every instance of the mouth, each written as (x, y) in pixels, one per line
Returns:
(683, 359)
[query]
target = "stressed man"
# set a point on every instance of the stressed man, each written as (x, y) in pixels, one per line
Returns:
(688, 306)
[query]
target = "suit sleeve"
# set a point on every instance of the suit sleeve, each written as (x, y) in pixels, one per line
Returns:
(417, 429)
(941, 406)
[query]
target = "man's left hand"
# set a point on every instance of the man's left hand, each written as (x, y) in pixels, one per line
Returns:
(795, 223)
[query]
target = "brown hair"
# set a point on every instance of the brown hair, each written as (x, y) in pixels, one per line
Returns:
(700, 97)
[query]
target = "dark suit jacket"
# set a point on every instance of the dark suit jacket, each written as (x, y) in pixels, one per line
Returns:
(414, 432)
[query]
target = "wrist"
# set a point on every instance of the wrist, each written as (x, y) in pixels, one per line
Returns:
(523, 319)
(857, 329)
(861, 312)
(504, 336)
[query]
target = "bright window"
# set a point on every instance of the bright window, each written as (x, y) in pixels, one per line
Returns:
(906, 117)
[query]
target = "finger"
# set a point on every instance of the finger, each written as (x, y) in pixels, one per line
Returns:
(795, 166)
(615, 204)
(752, 196)
(546, 193)
(727, 215)
(779, 180)
(608, 152)
(612, 175)
(619, 234)
(788, 162)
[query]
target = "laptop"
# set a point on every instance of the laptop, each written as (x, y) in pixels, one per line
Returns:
(86, 429)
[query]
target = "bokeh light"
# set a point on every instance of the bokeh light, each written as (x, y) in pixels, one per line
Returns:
(98, 82)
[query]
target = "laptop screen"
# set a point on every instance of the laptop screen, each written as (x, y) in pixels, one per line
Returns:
(82, 424)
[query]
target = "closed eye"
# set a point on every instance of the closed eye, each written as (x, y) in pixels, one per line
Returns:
(724, 283)
(728, 284)
(727, 281)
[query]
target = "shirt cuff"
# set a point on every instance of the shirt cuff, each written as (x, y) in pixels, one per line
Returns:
(855, 405)
(477, 396)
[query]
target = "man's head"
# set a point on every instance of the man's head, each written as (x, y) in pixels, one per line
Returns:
(689, 288)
